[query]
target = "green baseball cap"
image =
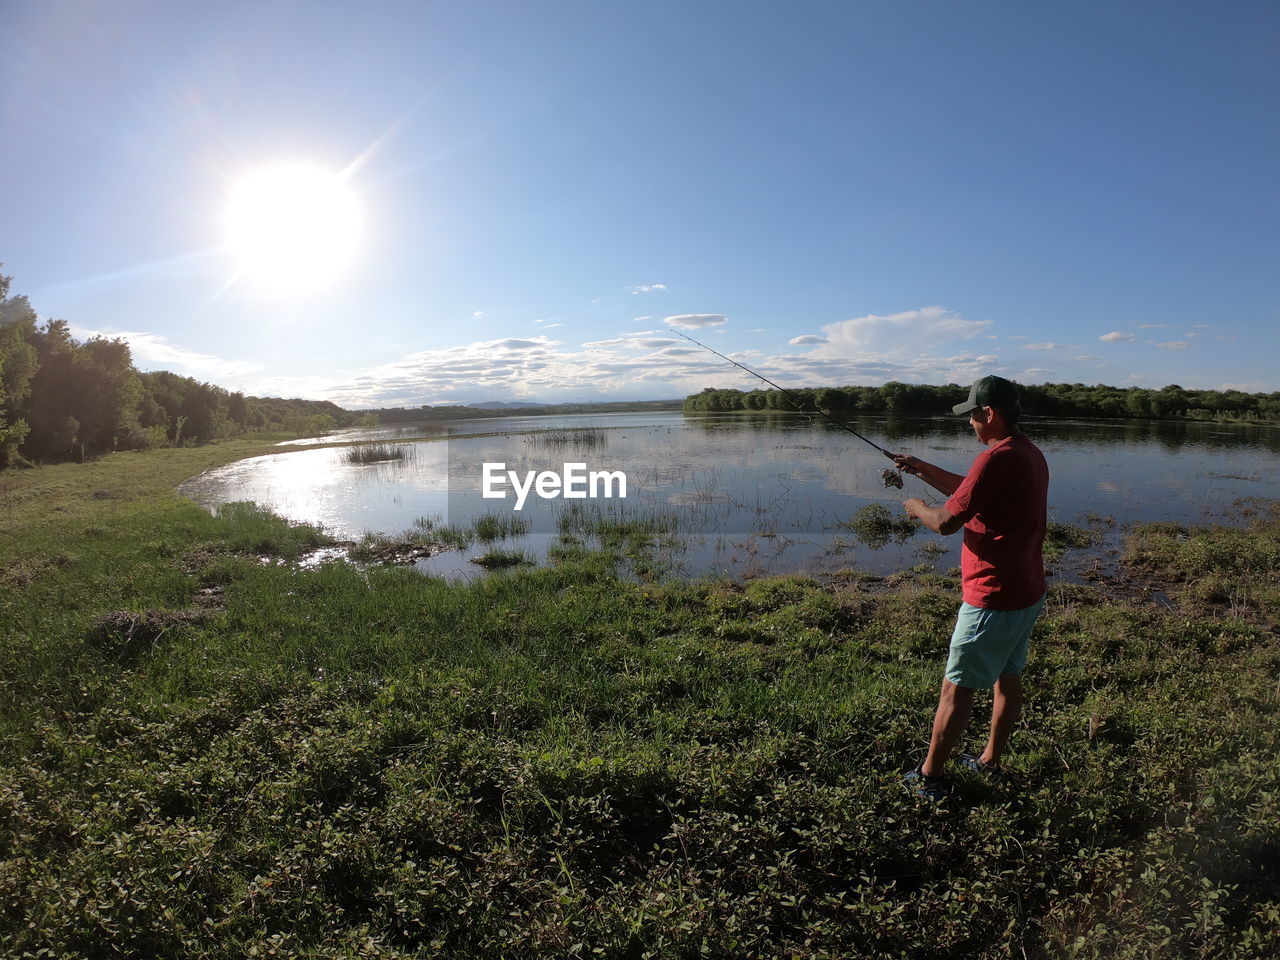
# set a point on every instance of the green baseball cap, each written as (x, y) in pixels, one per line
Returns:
(989, 392)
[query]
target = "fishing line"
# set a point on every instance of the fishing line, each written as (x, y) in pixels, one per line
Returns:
(890, 478)
(788, 394)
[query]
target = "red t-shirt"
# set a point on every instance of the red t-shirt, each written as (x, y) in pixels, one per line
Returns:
(1003, 503)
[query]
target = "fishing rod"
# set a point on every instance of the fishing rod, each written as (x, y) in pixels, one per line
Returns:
(789, 395)
(890, 478)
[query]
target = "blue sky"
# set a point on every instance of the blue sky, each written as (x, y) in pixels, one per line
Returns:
(833, 192)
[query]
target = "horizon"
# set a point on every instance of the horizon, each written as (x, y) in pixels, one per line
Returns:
(531, 205)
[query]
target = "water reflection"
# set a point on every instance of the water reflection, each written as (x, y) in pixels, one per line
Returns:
(755, 492)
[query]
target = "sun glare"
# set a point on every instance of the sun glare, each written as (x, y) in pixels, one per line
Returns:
(292, 228)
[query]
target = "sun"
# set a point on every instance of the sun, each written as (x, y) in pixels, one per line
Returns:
(292, 228)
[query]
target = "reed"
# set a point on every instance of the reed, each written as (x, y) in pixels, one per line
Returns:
(373, 453)
(499, 559)
(586, 438)
(492, 526)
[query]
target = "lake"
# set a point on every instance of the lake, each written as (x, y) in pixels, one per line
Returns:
(740, 494)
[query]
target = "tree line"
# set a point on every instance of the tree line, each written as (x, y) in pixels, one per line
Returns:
(1046, 400)
(61, 399)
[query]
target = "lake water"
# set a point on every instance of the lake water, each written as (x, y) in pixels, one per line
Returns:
(744, 494)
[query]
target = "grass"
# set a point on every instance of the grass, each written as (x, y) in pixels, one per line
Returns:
(1061, 537)
(496, 526)
(588, 438)
(428, 537)
(499, 559)
(205, 755)
(876, 525)
(1215, 567)
(373, 453)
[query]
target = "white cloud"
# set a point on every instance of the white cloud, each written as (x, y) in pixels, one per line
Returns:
(643, 341)
(696, 321)
(1033, 375)
(1153, 326)
(514, 343)
(931, 345)
(901, 337)
(1115, 336)
(636, 288)
(1173, 345)
(634, 365)
(151, 351)
(478, 315)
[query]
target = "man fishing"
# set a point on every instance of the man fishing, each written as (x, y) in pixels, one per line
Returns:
(1001, 503)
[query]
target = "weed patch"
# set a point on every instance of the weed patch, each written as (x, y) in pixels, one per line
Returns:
(876, 525)
(373, 453)
(501, 559)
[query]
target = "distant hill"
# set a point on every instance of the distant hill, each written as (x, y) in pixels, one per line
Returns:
(502, 405)
(500, 408)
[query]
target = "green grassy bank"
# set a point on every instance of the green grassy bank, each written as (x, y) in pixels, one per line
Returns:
(203, 754)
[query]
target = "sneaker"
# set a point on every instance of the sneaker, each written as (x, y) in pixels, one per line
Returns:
(927, 788)
(972, 762)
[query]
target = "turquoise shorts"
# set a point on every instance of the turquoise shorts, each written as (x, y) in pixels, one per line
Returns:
(987, 643)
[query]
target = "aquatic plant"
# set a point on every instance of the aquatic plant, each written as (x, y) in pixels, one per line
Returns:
(875, 525)
(578, 437)
(494, 526)
(496, 559)
(373, 453)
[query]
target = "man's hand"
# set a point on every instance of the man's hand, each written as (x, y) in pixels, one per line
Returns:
(941, 480)
(908, 464)
(937, 519)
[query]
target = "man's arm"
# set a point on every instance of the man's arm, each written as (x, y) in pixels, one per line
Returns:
(941, 480)
(937, 519)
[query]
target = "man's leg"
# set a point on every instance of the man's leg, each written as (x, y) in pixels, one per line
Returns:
(955, 704)
(1006, 708)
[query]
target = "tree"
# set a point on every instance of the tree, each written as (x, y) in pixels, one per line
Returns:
(204, 407)
(110, 393)
(55, 395)
(18, 364)
(84, 398)
(830, 398)
(894, 393)
(238, 410)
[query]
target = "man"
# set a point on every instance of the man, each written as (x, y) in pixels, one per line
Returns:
(1001, 503)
